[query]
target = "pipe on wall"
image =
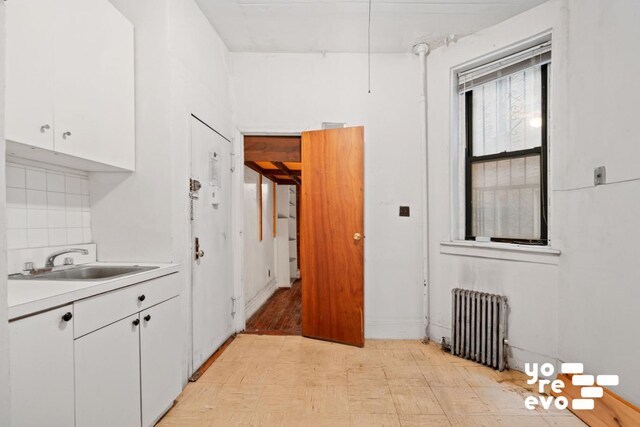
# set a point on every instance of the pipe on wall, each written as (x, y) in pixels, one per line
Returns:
(422, 49)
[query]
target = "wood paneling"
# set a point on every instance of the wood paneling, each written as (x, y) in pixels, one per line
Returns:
(272, 148)
(610, 410)
(260, 203)
(280, 315)
(332, 212)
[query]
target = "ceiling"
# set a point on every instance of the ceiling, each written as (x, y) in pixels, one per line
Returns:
(341, 25)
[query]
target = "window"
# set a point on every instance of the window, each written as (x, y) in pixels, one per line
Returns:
(504, 110)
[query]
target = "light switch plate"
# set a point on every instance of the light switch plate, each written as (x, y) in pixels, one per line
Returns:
(600, 175)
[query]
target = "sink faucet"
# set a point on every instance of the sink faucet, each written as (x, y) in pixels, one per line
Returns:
(51, 258)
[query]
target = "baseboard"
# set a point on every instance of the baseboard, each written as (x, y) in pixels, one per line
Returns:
(516, 358)
(609, 410)
(261, 297)
(394, 329)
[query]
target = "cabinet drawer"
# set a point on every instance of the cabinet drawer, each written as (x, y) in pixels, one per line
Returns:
(98, 311)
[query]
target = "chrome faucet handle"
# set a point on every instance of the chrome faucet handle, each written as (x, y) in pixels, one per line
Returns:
(68, 261)
(28, 266)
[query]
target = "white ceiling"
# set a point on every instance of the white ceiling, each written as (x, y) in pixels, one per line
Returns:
(341, 25)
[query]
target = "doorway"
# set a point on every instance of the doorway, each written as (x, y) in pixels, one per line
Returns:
(211, 240)
(327, 169)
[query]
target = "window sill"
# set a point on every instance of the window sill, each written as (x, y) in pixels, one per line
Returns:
(505, 251)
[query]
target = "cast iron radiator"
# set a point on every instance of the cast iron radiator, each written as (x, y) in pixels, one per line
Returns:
(479, 327)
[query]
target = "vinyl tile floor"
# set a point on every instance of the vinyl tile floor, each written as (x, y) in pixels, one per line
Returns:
(266, 380)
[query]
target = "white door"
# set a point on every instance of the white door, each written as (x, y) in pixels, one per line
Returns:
(29, 76)
(160, 345)
(107, 376)
(41, 364)
(94, 83)
(212, 265)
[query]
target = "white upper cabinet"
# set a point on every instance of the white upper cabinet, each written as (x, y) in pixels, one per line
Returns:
(80, 71)
(29, 77)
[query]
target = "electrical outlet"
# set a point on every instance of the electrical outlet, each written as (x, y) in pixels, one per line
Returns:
(405, 211)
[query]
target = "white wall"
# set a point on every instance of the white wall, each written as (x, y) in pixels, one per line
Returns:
(181, 70)
(296, 92)
(259, 255)
(580, 306)
(4, 329)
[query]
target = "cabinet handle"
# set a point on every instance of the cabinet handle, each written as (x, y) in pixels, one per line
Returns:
(141, 298)
(147, 317)
(45, 128)
(66, 134)
(67, 316)
(136, 322)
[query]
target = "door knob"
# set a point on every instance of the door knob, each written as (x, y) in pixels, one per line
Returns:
(44, 128)
(357, 237)
(200, 253)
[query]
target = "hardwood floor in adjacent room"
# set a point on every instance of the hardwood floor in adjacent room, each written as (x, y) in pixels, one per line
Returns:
(280, 315)
(262, 380)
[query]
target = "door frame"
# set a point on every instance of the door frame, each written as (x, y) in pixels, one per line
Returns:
(238, 206)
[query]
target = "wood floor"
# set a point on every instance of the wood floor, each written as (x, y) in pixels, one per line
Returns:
(264, 380)
(280, 315)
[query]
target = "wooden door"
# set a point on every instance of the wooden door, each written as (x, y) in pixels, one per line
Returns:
(41, 364)
(331, 235)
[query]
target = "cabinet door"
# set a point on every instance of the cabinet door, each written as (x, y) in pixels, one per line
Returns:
(41, 365)
(107, 376)
(94, 83)
(160, 359)
(29, 72)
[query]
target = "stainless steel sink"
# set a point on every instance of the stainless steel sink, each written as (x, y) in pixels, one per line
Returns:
(95, 272)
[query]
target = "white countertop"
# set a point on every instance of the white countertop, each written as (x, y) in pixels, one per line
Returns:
(31, 296)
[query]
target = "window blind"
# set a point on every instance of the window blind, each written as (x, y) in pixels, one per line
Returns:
(536, 55)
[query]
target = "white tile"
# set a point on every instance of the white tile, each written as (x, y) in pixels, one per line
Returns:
(16, 198)
(36, 199)
(73, 202)
(74, 235)
(36, 218)
(17, 239)
(57, 218)
(86, 219)
(72, 185)
(57, 236)
(56, 201)
(16, 218)
(55, 182)
(86, 235)
(86, 203)
(15, 177)
(74, 219)
(37, 237)
(84, 186)
(36, 180)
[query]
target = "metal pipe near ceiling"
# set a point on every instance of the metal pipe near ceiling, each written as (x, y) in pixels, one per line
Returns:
(422, 49)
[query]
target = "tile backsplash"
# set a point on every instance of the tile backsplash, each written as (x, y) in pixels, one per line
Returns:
(46, 207)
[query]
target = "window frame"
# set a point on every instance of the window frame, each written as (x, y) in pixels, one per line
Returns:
(542, 151)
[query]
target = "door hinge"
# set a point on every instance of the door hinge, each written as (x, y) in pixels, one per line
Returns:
(233, 161)
(233, 306)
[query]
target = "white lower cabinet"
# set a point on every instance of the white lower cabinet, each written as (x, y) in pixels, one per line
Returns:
(41, 366)
(159, 359)
(128, 372)
(107, 375)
